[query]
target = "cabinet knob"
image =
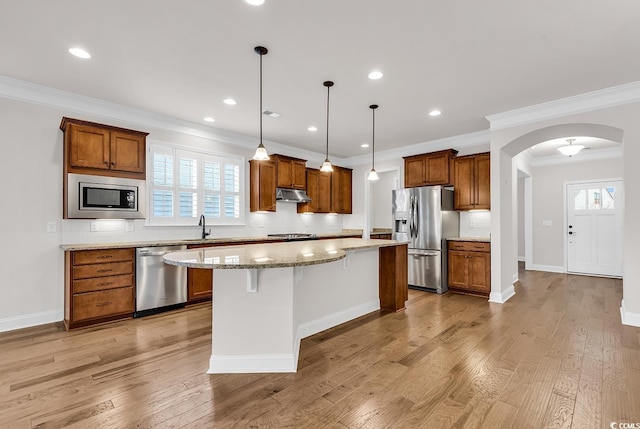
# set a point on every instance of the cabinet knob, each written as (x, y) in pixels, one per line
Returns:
(113, 163)
(106, 163)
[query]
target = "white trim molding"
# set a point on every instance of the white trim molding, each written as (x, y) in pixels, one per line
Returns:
(502, 296)
(252, 364)
(548, 268)
(594, 100)
(29, 320)
(329, 321)
(628, 318)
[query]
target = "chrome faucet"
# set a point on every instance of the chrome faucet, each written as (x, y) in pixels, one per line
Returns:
(202, 224)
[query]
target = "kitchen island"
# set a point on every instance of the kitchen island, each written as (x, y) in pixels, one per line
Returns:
(267, 297)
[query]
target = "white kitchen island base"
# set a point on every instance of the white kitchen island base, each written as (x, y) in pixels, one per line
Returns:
(261, 331)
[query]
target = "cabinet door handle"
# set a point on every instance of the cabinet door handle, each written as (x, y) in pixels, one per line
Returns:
(105, 270)
(113, 164)
(105, 256)
(106, 163)
(105, 284)
(103, 304)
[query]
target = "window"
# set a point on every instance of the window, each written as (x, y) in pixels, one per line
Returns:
(594, 199)
(184, 184)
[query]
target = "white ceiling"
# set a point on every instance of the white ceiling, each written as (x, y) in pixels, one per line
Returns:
(182, 58)
(550, 147)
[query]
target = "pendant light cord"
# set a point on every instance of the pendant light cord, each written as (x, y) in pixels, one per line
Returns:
(327, 155)
(373, 141)
(261, 54)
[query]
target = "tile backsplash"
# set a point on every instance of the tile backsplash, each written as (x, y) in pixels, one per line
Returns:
(475, 224)
(285, 220)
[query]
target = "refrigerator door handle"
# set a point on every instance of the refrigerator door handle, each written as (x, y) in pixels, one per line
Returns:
(416, 214)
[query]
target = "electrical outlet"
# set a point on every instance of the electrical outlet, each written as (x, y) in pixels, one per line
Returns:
(130, 227)
(51, 227)
(95, 226)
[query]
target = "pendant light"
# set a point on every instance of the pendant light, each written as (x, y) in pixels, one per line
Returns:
(372, 174)
(571, 149)
(261, 151)
(326, 165)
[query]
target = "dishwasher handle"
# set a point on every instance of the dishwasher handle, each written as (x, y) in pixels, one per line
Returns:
(144, 254)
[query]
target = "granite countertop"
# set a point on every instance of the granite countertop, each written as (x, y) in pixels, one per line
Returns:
(273, 255)
(199, 241)
(480, 239)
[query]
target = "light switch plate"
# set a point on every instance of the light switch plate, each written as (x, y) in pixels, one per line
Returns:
(51, 227)
(547, 223)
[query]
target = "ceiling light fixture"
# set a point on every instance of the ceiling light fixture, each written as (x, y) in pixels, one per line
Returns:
(571, 149)
(209, 119)
(372, 174)
(80, 53)
(312, 129)
(434, 113)
(230, 101)
(261, 152)
(375, 75)
(254, 2)
(326, 165)
(364, 145)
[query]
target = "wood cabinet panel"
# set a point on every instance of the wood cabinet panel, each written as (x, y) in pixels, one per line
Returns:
(102, 255)
(341, 190)
(469, 267)
(99, 286)
(429, 169)
(313, 191)
(290, 172)
(262, 186)
(199, 284)
(393, 283)
(324, 192)
(91, 148)
(472, 182)
(102, 270)
(95, 305)
(102, 283)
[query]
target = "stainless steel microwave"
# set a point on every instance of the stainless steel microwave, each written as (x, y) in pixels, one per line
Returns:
(103, 197)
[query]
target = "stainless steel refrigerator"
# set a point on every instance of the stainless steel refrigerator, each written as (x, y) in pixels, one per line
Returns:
(424, 218)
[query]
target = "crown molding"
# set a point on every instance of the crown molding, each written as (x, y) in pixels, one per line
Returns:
(583, 156)
(50, 97)
(479, 138)
(594, 100)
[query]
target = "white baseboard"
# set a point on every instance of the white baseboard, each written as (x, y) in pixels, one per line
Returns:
(252, 364)
(335, 319)
(502, 297)
(628, 318)
(286, 362)
(548, 268)
(29, 320)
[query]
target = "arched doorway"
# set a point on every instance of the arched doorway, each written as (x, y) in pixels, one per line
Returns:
(504, 207)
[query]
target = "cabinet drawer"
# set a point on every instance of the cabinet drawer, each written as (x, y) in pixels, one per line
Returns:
(92, 305)
(102, 270)
(102, 283)
(103, 255)
(470, 246)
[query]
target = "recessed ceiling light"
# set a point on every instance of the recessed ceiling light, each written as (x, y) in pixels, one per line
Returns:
(374, 75)
(364, 145)
(254, 2)
(312, 129)
(230, 101)
(209, 119)
(435, 113)
(80, 53)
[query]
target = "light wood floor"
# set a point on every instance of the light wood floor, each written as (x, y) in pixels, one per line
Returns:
(555, 355)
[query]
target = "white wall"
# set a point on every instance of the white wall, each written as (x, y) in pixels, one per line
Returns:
(381, 216)
(549, 204)
(521, 219)
(31, 262)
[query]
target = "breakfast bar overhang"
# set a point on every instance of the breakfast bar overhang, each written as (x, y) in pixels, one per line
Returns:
(267, 297)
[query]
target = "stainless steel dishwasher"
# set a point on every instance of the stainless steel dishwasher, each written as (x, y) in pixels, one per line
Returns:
(159, 286)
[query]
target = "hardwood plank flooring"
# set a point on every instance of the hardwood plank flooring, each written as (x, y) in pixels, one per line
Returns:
(555, 356)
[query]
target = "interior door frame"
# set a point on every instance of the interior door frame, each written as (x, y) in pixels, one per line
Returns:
(566, 216)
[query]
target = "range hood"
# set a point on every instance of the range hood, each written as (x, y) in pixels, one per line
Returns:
(292, 195)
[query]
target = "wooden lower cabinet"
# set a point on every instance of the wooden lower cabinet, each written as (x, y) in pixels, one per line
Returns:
(469, 267)
(199, 281)
(380, 236)
(99, 286)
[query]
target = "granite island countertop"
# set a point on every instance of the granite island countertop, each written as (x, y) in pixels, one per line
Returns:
(198, 241)
(273, 255)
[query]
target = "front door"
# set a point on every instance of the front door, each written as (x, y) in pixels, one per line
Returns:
(594, 228)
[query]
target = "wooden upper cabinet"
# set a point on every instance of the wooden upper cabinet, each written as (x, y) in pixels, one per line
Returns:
(103, 150)
(319, 190)
(324, 192)
(291, 172)
(341, 190)
(429, 169)
(472, 182)
(262, 185)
